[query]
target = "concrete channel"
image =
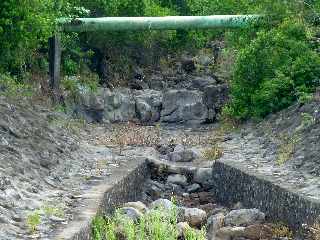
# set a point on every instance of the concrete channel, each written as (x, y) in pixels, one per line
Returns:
(232, 184)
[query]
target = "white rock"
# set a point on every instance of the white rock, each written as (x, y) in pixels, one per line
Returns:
(177, 179)
(203, 176)
(214, 223)
(182, 227)
(162, 203)
(193, 188)
(137, 205)
(131, 213)
(244, 217)
(228, 233)
(195, 216)
(57, 219)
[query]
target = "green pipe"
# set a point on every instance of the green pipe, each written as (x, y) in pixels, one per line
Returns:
(154, 23)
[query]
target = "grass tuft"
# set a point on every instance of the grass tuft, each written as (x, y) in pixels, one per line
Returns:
(213, 153)
(33, 221)
(156, 224)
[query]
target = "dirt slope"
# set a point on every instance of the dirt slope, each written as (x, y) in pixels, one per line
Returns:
(30, 147)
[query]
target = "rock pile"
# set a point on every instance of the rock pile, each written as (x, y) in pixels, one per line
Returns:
(191, 188)
(241, 224)
(196, 103)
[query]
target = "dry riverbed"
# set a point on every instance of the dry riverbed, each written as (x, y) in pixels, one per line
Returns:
(47, 161)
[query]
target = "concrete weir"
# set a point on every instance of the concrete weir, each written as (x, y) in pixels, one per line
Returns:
(231, 184)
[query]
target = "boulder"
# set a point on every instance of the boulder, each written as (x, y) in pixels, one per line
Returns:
(183, 106)
(182, 228)
(162, 203)
(87, 104)
(148, 105)
(195, 216)
(57, 219)
(228, 233)
(193, 188)
(215, 96)
(178, 179)
(181, 154)
(119, 105)
(203, 176)
(258, 231)
(201, 83)
(244, 217)
(253, 232)
(214, 223)
(141, 207)
(131, 213)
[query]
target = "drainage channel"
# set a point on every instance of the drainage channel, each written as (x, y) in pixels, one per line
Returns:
(230, 202)
(124, 185)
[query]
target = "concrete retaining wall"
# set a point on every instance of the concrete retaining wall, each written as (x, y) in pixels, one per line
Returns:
(104, 199)
(232, 185)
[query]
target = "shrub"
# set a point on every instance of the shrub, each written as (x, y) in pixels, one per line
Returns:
(77, 85)
(273, 70)
(12, 88)
(24, 26)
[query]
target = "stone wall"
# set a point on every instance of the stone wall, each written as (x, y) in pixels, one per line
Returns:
(232, 185)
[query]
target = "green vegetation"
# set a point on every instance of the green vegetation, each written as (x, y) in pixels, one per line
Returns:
(286, 148)
(84, 83)
(51, 209)
(307, 120)
(280, 230)
(274, 70)
(24, 26)
(33, 220)
(277, 61)
(213, 153)
(156, 224)
(12, 88)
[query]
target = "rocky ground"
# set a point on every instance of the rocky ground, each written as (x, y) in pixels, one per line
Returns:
(187, 191)
(48, 160)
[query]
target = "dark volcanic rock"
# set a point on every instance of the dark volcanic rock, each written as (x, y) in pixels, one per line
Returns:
(182, 106)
